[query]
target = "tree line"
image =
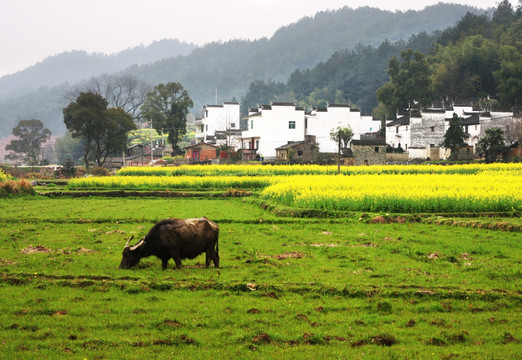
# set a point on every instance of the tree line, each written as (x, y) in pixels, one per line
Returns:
(100, 123)
(478, 58)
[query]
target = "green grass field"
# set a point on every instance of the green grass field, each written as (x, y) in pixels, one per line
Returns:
(288, 287)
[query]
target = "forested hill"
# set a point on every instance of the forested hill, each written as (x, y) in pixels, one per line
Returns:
(231, 66)
(74, 66)
(478, 58)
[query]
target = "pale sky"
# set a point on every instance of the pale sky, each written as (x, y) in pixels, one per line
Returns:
(32, 30)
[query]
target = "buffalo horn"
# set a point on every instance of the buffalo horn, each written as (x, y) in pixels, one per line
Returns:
(128, 241)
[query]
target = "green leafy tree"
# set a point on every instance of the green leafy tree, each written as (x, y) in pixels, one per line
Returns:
(167, 107)
(454, 136)
(68, 168)
(504, 14)
(30, 134)
(103, 131)
(84, 118)
(409, 83)
(68, 148)
(342, 136)
(509, 75)
(113, 137)
(260, 93)
(492, 146)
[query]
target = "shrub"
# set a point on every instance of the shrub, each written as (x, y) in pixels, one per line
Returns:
(68, 168)
(4, 176)
(16, 188)
(99, 171)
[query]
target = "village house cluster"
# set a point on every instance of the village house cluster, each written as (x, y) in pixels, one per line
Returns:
(420, 133)
(286, 132)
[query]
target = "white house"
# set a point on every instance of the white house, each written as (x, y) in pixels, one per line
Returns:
(398, 132)
(321, 121)
(271, 126)
(220, 125)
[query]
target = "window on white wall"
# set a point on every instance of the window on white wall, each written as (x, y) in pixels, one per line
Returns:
(291, 124)
(251, 124)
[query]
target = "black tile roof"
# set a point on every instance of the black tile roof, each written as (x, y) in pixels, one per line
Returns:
(369, 142)
(404, 120)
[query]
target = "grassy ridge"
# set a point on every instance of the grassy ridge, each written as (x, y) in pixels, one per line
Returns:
(288, 287)
(166, 182)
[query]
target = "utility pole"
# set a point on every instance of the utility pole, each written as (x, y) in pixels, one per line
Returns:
(151, 144)
(162, 145)
(339, 153)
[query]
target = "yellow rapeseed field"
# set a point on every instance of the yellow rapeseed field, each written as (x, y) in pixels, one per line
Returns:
(414, 188)
(270, 170)
(168, 182)
(4, 176)
(484, 191)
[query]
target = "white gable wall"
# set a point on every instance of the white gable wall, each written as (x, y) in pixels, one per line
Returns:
(321, 123)
(220, 117)
(399, 135)
(271, 129)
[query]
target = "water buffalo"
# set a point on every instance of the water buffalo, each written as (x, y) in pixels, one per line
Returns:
(177, 239)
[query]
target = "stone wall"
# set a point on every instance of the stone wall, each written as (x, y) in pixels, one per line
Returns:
(428, 130)
(369, 154)
(395, 157)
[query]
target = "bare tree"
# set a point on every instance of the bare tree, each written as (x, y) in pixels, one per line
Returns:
(126, 92)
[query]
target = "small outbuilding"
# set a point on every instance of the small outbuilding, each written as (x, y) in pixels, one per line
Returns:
(201, 152)
(299, 151)
(369, 152)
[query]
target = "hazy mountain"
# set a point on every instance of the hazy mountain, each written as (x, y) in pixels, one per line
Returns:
(73, 66)
(228, 67)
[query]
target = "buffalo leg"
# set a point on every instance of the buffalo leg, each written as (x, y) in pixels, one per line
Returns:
(177, 260)
(207, 259)
(216, 259)
(212, 256)
(164, 263)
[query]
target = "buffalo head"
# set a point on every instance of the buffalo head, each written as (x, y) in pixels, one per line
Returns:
(131, 254)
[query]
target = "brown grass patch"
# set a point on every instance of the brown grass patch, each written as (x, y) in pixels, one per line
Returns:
(369, 244)
(324, 245)
(379, 220)
(384, 340)
(6, 262)
(35, 249)
(262, 339)
(289, 255)
(173, 323)
(236, 193)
